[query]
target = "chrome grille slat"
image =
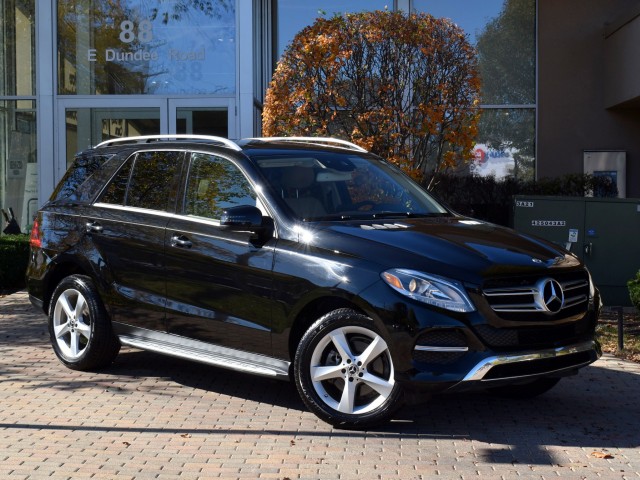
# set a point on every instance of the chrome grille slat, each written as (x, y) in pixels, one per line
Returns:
(527, 296)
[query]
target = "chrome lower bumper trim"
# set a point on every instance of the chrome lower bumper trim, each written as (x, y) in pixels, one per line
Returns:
(483, 368)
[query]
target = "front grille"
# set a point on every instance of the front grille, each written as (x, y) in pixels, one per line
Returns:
(536, 337)
(444, 337)
(536, 298)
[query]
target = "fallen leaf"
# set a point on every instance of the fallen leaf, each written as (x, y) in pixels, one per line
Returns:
(126, 444)
(601, 455)
(186, 435)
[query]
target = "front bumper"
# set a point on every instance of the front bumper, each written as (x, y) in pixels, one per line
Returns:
(526, 365)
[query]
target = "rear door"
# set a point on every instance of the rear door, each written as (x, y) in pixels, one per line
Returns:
(127, 230)
(219, 282)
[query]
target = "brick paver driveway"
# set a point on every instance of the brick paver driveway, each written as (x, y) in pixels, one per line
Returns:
(150, 416)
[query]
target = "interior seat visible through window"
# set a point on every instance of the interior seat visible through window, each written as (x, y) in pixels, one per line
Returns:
(298, 191)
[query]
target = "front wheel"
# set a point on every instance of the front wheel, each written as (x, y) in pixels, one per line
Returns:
(79, 326)
(344, 371)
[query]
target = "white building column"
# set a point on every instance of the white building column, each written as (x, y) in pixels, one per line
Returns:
(245, 72)
(45, 91)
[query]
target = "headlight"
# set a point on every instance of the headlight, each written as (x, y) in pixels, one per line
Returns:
(436, 291)
(592, 286)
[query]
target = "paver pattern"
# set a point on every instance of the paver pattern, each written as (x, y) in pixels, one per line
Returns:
(150, 416)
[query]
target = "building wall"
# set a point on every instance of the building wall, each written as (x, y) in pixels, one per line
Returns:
(572, 116)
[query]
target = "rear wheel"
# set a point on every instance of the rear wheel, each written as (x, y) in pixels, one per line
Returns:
(344, 371)
(79, 326)
(526, 390)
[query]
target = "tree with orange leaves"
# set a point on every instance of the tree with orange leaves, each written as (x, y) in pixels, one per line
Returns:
(405, 87)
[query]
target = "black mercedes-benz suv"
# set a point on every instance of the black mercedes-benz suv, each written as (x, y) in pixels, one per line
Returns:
(302, 258)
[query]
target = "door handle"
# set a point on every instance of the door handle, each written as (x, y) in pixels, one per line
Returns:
(180, 241)
(588, 249)
(93, 227)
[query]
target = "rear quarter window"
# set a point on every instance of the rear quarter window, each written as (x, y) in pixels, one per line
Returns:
(82, 168)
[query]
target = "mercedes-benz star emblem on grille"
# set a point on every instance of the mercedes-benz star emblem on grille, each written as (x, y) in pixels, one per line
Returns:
(552, 295)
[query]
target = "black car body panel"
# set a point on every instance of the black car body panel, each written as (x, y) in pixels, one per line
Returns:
(176, 279)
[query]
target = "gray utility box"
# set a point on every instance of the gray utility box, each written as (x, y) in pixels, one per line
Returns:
(604, 232)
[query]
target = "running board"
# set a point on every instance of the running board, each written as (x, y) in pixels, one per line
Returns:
(197, 351)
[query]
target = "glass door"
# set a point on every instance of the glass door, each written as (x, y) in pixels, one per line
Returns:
(200, 116)
(85, 122)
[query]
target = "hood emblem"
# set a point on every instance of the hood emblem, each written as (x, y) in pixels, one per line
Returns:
(550, 295)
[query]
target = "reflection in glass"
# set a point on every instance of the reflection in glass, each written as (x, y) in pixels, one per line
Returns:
(116, 190)
(506, 143)
(152, 180)
(504, 33)
(294, 15)
(214, 185)
(17, 48)
(18, 167)
(83, 167)
(507, 55)
(154, 47)
(86, 127)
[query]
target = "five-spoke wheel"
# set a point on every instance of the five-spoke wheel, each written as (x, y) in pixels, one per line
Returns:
(344, 371)
(80, 330)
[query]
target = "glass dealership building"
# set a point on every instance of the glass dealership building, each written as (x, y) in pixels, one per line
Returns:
(559, 79)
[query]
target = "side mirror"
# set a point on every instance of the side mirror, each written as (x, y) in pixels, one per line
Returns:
(243, 217)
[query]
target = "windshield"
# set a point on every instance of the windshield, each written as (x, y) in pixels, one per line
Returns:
(330, 186)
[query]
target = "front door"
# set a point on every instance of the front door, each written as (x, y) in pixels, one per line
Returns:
(219, 282)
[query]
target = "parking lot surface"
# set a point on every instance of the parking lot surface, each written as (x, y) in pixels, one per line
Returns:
(149, 416)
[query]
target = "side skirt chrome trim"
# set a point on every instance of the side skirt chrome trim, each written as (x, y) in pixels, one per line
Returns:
(482, 368)
(195, 350)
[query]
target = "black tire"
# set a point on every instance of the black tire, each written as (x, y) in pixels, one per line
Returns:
(526, 390)
(79, 327)
(330, 358)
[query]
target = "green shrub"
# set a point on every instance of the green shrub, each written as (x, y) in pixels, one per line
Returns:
(634, 290)
(14, 256)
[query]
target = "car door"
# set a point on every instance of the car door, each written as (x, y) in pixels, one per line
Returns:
(127, 230)
(219, 281)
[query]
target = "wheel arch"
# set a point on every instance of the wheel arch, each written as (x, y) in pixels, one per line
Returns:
(312, 312)
(56, 274)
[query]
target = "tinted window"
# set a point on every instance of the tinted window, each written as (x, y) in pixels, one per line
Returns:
(83, 167)
(117, 189)
(145, 181)
(215, 184)
(152, 179)
(318, 185)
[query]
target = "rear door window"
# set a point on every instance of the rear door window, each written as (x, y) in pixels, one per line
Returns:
(147, 180)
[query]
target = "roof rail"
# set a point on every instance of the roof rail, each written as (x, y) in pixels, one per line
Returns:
(317, 140)
(149, 138)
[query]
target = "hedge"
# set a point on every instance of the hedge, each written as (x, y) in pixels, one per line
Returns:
(489, 199)
(634, 290)
(14, 257)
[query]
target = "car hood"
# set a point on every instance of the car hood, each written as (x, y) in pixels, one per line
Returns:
(460, 247)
